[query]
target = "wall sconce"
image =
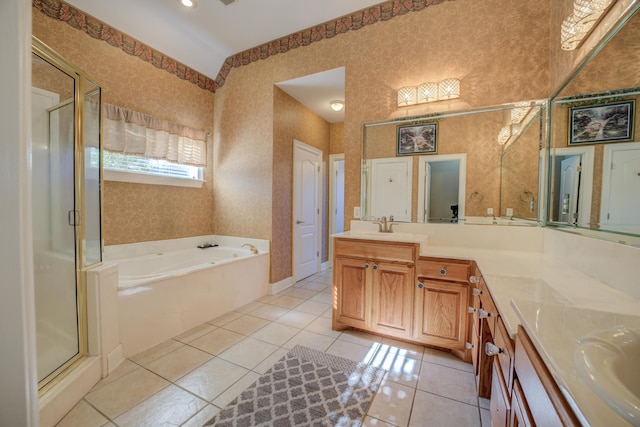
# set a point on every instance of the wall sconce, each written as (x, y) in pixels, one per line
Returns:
(407, 96)
(337, 105)
(449, 89)
(576, 26)
(429, 92)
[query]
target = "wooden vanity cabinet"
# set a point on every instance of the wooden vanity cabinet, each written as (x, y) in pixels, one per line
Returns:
(441, 301)
(373, 286)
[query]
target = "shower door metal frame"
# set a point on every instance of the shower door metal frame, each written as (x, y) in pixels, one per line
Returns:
(56, 60)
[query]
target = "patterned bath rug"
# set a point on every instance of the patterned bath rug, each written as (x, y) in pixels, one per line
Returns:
(305, 388)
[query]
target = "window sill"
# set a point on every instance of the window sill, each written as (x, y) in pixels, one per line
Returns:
(145, 178)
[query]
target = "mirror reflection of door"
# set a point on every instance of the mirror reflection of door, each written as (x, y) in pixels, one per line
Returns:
(569, 189)
(391, 188)
(621, 188)
(441, 192)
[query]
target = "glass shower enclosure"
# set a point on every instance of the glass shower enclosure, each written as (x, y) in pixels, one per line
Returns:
(66, 197)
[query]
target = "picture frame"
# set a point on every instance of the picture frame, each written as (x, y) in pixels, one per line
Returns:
(596, 124)
(416, 139)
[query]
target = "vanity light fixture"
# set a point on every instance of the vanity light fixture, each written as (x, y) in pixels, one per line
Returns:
(429, 92)
(407, 96)
(192, 4)
(577, 26)
(337, 105)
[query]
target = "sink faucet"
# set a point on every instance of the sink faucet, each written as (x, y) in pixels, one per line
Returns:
(384, 226)
(253, 249)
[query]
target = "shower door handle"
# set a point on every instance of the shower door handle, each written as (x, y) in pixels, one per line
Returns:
(73, 217)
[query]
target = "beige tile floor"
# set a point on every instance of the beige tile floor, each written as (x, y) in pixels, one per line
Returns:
(186, 380)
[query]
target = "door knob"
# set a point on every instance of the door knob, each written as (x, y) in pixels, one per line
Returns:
(299, 222)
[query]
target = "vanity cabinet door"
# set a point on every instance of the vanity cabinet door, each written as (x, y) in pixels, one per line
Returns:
(350, 292)
(500, 401)
(392, 285)
(441, 313)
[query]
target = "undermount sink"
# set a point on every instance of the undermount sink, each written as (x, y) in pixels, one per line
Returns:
(608, 362)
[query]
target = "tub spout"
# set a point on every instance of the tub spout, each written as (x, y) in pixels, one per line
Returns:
(254, 250)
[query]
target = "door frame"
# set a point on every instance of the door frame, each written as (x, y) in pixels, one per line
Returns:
(585, 193)
(299, 145)
(462, 182)
(607, 159)
(333, 159)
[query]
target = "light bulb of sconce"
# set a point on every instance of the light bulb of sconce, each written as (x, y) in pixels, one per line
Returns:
(336, 105)
(407, 96)
(449, 89)
(427, 92)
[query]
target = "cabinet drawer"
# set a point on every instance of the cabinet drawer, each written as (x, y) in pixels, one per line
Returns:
(505, 357)
(386, 251)
(500, 401)
(444, 269)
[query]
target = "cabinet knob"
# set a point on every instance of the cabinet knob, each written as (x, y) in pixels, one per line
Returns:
(375, 266)
(471, 309)
(473, 279)
(483, 314)
(490, 349)
(420, 285)
(468, 345)
(476, 292)
(443, 272)
(366, 265)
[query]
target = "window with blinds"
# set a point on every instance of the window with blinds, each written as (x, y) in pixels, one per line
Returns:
(144, 170)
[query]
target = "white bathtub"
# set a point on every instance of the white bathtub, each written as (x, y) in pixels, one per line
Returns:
(147, 269)
(167, 292)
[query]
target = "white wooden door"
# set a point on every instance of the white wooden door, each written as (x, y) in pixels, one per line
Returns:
(568, 198)
(306, 210)
(621, 191)
(391, 188)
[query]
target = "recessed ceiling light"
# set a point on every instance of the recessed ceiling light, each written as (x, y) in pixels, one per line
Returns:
(188, 3)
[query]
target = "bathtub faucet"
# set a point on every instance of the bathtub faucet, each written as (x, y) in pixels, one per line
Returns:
(207, 245)
(254, 250)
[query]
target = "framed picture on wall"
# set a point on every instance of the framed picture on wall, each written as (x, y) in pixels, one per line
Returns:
(601, 123)
(417, 139)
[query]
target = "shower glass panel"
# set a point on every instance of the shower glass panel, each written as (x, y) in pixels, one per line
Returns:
(54, 216)
(91, 138)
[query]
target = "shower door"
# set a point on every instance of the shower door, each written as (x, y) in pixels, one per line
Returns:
(65, 186)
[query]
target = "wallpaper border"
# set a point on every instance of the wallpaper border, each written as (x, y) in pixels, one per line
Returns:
(58, 9)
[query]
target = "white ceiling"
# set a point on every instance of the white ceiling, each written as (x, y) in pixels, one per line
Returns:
(202, 38)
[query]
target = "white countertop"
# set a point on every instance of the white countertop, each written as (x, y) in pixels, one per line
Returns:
(556, 305)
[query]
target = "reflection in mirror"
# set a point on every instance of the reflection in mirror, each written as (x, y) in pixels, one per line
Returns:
(472, 167)
(595, 156)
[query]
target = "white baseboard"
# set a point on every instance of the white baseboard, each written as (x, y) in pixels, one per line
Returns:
(280, 286)
(325, 266)
(114, 359)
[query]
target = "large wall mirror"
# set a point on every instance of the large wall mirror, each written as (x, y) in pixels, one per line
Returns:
(469, 167)
(594, 144)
